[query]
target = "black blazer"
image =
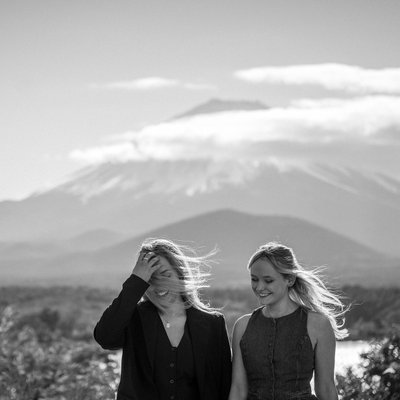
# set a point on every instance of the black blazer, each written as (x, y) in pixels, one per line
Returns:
(131, 325)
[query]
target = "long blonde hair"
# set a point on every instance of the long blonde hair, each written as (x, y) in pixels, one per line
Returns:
(190, 268)
(309, 290)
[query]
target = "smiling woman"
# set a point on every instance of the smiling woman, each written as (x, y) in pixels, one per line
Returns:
(278, 348)
(173, 345)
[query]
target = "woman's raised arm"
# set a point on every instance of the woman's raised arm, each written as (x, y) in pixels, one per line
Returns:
(110, 330)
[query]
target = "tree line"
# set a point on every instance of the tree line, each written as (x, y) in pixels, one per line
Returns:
(47, 349)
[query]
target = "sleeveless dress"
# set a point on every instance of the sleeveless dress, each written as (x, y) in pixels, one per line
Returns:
(278, 357)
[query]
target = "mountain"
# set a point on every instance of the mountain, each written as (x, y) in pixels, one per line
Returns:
(133, 197)
(87, 241)
(236, 235)
(348, 202)
(93, 240)
(217, 105)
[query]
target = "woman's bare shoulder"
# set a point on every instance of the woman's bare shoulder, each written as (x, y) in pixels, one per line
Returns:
(318, 325)
(241, 324)
(317, 320)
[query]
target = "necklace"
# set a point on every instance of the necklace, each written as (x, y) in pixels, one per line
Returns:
(167, 322)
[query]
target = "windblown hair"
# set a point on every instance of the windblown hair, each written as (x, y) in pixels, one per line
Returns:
(190, 268)
(309, 290)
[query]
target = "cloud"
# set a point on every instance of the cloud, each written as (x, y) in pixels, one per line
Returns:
(352, 79)
(343, 132)
(152, 83)
(122, 152)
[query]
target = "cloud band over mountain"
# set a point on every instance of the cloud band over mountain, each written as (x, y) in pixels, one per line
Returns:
(343, 132)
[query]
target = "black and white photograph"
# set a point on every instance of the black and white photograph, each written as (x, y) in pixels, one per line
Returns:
(199, 200)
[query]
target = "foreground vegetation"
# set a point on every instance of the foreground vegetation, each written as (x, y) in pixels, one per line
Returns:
(47, 349)
(379, 378)
(38, 361)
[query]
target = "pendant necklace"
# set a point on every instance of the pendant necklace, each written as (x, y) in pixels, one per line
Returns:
(166, 322)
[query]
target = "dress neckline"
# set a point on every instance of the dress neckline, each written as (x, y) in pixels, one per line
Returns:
(282, 317)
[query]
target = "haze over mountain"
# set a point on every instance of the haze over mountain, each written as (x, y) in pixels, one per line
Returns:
(236, 235)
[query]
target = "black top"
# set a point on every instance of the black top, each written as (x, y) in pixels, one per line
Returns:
(131, 325)
(174, 371)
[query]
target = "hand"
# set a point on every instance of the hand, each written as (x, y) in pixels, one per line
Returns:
(146, 264)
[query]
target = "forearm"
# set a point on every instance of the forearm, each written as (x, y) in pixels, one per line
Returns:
(109, 330)
(237, 392)
(326, 392)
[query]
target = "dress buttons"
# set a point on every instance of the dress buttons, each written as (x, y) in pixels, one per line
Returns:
(171, 381)
(172, 365)
(172, 397)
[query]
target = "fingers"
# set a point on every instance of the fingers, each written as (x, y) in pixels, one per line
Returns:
(154, 262)
(143, 255)
(151, 259)
(146, 264)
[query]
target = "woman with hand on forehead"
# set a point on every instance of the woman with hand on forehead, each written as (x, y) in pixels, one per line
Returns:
(174, 347)
(278, 348)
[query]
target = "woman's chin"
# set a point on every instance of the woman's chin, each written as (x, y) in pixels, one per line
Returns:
(264, 300)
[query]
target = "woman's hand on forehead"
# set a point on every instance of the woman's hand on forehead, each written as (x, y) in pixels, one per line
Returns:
(146, 265)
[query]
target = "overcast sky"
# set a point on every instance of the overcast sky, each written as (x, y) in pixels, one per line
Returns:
(89, 81)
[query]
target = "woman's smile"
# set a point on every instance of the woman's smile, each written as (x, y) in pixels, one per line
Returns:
(161, 293)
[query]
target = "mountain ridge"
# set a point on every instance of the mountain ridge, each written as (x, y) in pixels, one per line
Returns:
(215, 105)
(236, 234)
(152, 202)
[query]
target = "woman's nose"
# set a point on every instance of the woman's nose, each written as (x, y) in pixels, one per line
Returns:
(260, 286)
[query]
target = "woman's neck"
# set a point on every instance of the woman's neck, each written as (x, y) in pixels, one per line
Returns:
(280, 309)
(174, 309)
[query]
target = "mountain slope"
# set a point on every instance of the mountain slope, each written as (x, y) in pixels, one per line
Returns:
(237, 236)
(135, 196)
(151, 194)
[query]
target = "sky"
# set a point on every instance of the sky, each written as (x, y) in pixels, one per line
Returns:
(86, 82)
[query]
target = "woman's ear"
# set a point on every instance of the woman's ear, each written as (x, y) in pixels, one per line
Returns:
(291, 280)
